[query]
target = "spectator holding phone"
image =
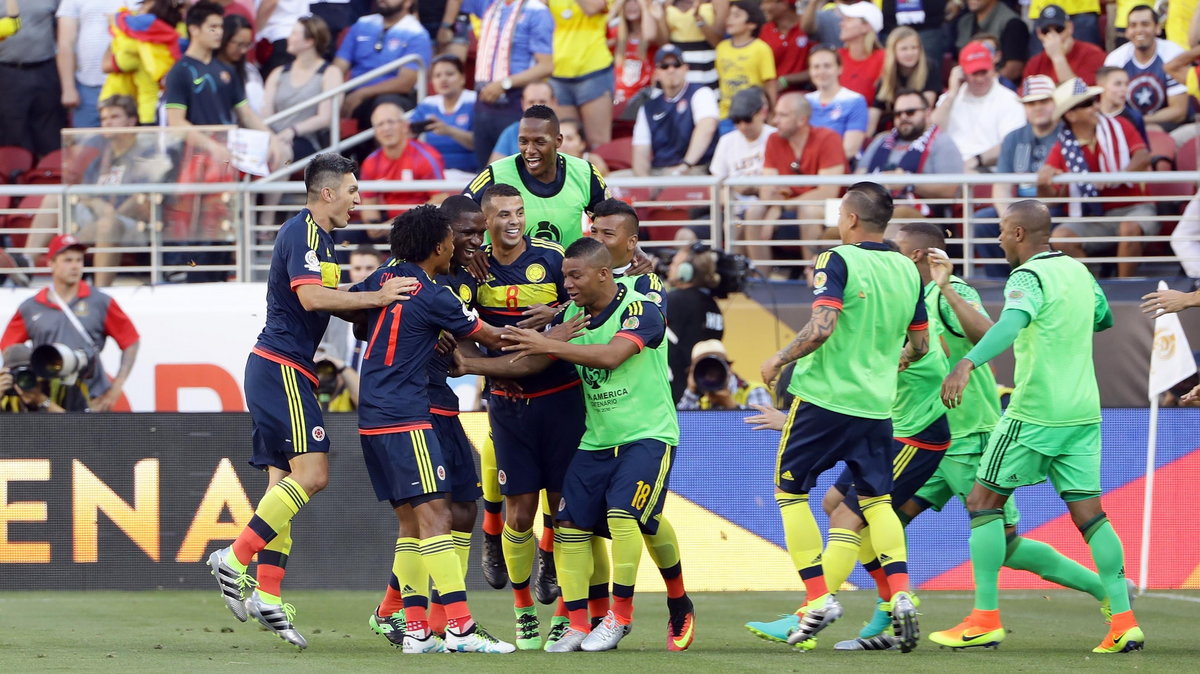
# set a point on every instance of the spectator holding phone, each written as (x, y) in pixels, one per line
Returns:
(447, 117)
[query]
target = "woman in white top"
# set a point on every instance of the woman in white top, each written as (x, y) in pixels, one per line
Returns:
(833, 106)
(307, 76)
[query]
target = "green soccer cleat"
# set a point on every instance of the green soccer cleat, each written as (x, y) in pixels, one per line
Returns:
(558, 627)
(1131, 640)
(880, 622)
(391, 626)
(777, 630)
(529, 637)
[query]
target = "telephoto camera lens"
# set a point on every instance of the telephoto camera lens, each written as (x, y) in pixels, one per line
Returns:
(710, 374)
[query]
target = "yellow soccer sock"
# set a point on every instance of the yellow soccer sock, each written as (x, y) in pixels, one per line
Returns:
(519, 550)
(841, 553)
(489, 473)
(275, 511)
(804, 544)
(573, 559)
(598, 582)
(626, 555)
(441, 562)
(462, 548)
(887, 537)
(410, 581)
(663, 546)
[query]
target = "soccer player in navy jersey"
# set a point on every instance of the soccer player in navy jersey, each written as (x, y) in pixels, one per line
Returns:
(289, 439)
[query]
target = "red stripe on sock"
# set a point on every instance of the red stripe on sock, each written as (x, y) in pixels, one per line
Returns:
(458, 614)
(560, 609)
(598, 608)
(546, 542)
(270, 578)
(815, 587)
(881, 583)
(247, 545)
(579, 620)
(623, 609)
(897, 582)
(675, 587)
(392, 601)
(522, 598)
(493, 523)
(437, 617)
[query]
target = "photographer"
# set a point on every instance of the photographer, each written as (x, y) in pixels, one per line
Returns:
(22, 391)
(713, 385)
(692, 312)
(337, 384)
(69, 313)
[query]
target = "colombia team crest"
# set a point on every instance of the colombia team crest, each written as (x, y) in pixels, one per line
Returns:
(535, 273)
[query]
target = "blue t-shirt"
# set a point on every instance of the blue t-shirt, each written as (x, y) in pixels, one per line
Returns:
(534, 33)
(1022, 151)
(846, 112)
(462, 117)
(366, 47)
(401, 339)
(303, 254)
(506, 144)
(441, 396)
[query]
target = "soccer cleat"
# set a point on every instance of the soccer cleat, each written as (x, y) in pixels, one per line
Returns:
(904, 621)
(494, 571)
(276, 618)
(776, 630)
(234, 584)
(879, 642)
(1106, 605)
(529, 637)
(814, 619)
(569, 642)
(475, 640)
(391, 626)
(558, 627)
(422, 641)
(968, 635)
(545, 586)
(880, 621)
(1131, 640)
(681, 625)
(607, 635)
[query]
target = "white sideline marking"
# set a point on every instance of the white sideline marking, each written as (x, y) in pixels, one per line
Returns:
(1167, 595)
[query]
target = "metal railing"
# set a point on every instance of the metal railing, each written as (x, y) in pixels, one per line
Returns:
(703, 207)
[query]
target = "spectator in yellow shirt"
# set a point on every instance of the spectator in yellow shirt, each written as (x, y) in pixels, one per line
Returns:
(743, 60)
(11, 22)
(583, 78)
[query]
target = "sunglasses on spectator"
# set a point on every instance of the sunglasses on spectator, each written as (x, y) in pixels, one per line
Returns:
(1084, 105)
(670, 65)
(910, 112)
(1049, 29)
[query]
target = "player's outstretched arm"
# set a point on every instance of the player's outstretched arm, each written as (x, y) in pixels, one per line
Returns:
(820, 326)
(503, 368)
(314, 297)
(608, 356)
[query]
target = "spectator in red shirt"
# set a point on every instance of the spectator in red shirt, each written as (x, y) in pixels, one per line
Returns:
(862, 57)
(796, 148)
(399, 157)
(1089, 142)
(787, 40)
(1063, 57)
(633, 38)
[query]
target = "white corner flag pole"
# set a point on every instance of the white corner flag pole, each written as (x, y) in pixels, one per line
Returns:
(1171, 362)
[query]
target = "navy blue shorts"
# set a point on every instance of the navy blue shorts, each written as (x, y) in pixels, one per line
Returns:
(632, 477)
(285, 413)
(815, 439)
(406, 465)
(914, 461)
(465, 486)
(535, 439)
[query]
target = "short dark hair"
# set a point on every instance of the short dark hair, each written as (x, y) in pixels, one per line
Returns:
(617, 207)
(326, 170)
(1103, 72)
(367, 249)
(754, 14)
(929, 235)
(906, 91)
(451, 59)
(828, 50)
(591, 250)
(126, 103)
(198, 13)
(872, 203)
(498, 190)
(542, 112)
(1144, 8)
(457, 205)
(417, 232)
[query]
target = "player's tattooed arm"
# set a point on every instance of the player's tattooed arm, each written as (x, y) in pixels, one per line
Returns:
(814, 333)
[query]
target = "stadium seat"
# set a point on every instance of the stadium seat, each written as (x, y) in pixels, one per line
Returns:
(13, 162)
(1161, 144)
(618, 154)
(22, 220)
(1186, 157)
(5, 204)
(48, 171)
(671, 212)
(76, 161)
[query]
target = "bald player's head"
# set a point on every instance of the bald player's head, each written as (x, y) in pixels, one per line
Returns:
(1024, 231)
(1033, 216)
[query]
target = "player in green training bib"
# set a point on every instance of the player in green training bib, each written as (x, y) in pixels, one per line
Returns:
(868, 301)
(618, 480)
(558, 189)
(1051, 427)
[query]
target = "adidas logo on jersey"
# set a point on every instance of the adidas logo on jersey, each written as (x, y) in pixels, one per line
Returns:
(407, 589)
(1012, 478)
(884, 558)
(787, 475)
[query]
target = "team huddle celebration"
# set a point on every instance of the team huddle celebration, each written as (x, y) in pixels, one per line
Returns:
(887, 381)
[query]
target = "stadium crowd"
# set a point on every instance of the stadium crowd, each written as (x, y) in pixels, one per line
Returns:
(643, 87)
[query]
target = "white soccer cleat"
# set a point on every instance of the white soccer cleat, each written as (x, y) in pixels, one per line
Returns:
(425, 641)
(276, 618)
(606, 635)
(815, 619)
(475, 640)
(569, 642)
(234, 585)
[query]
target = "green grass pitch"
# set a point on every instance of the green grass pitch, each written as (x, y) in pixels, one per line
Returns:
(171, 632)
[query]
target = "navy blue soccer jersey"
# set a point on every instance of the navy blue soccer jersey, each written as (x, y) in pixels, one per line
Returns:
(535, 277)
(303, 255)
(442, 399)
(400, 342)
(650, 285)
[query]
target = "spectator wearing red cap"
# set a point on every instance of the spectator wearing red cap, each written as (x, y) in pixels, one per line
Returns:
(996, 18)
(1063, 57)
(976, 110)
(92, 317)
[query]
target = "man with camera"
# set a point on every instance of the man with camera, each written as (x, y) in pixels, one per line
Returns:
(67, 324)
(713, 385)
(337, 384)
(21, 390)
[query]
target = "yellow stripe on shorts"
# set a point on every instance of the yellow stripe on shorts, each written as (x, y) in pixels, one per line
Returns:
(783, 438)
(295, 410)
(903, 458)
(424, 465)
(664, 469)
